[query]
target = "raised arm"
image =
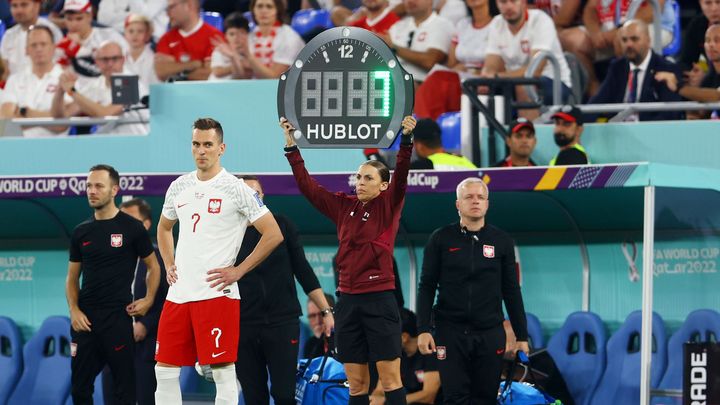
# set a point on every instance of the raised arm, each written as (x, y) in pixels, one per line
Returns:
(398, 185)
(325, 201)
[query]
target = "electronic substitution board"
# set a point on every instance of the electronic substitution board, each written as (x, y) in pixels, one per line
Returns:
(346, 89)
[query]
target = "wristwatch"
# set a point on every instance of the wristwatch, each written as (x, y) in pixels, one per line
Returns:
(327, 311)
(22, 111)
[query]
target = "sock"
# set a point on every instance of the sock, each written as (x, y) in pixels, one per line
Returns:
(363, 399)
(225, 385)
(396, 397)
(168, 385)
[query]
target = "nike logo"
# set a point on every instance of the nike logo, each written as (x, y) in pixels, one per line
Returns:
(215, 355)
(373, 277)
(182, 205)
(118, 348)
(86, 243)
(499, 351)
(293, 341)
(453, 249)
(174, 44)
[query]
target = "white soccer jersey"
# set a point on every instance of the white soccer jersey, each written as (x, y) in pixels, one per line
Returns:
(213, 216)
(433, 33)
(537, 34)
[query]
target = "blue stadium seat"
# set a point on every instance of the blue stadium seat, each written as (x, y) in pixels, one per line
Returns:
(46, 377)
(535, 333)
(305, 333)
(450, 125)
(674, 46)
(578, 350)
(10, 357)
(213, 18)
(702, 325)
(620, 384)
(251, 21)
(307, 20)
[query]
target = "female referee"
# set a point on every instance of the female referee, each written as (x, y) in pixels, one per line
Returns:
(367, 318)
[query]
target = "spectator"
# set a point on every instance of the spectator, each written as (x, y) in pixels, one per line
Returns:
(709, 88)
(184, 51)
(82, 39)
(421, 39)
(521, 144)
(603, 18)
(229, 59)
(29, 92)
(441, 90)
(140, 58)
(273, 44)
(693, 59)
(378, 17)
(114, 13)
(315, 345)
(516, 35)
(26, 13)
(452, 10)
(574, 38)
(94, 96)
(567, 132)
(419, 372)
(429, 148)
(630, 79)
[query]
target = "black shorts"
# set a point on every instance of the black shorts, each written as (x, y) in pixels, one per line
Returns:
(367, 327)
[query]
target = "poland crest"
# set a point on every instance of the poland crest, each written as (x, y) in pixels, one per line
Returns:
(116, 240)
(489, 251)
(214, 205)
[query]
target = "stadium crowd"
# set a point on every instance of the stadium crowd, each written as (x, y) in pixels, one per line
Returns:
(58, 56)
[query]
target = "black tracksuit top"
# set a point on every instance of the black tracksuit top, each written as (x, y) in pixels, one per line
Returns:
(473, 272)
(267, 293)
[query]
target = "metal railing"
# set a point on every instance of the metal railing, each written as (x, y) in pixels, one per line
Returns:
(13, 127)
(536, 60)
(656, 26)
(496, 86)
(624, 110)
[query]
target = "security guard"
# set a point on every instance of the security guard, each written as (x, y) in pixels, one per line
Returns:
(429, 148)
(472, 265)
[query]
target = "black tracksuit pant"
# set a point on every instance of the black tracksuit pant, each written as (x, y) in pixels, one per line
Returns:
(272, 348)
(110, 342)
(470, 363)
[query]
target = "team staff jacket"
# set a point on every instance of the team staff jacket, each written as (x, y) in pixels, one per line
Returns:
(366, 232)
(268, 292)
(473, 272)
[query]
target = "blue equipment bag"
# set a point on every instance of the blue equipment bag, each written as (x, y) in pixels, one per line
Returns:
(522, 393)
(321, 380)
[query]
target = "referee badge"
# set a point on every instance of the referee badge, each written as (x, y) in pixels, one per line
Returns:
(489, 251)
(441, 353)
(116, 240)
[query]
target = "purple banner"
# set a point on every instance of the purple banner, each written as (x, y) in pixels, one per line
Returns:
(498, 179)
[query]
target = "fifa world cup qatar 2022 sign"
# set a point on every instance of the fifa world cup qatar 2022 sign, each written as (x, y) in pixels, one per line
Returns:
(346, 89)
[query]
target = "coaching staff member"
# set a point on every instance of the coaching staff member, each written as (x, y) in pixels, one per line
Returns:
(105, 249)
(472, 265)
(269, 313)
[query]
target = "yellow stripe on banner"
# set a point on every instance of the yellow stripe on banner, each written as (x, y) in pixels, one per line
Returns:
(551, 178)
